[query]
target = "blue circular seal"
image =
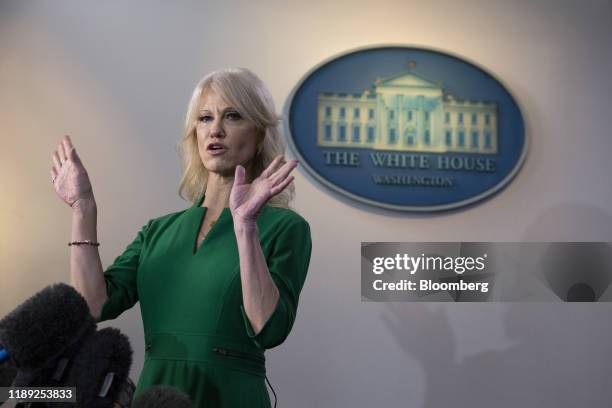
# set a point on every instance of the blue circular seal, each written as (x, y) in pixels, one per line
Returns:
(406, 128)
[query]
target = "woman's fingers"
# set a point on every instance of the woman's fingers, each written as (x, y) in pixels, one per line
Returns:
(74, 156)
(67, 146)
(280, 187)
(284, 171)
(56, 161)
(272, 166)
(68, 143)
(63, 153)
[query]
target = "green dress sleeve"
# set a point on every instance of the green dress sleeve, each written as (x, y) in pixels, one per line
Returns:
(288, 265)
(121, 278)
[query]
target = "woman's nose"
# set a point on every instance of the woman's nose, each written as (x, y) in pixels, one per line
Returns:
(216, 129)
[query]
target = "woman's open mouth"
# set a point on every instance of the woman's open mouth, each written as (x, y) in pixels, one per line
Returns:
(216, 148)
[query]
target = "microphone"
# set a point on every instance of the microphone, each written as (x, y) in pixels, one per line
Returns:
(50, 340)
(8, 371)
(100, 370)
(162, 396)
(45, 331)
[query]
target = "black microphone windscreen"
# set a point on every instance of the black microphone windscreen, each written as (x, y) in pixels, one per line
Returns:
(162, 396)
(42, 326)
(107, 351)
(8, 372)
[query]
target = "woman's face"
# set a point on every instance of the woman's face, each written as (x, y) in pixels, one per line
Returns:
(225, 138)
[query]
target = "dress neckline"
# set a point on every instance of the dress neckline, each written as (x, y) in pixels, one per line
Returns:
(198, 203)
(201, 212)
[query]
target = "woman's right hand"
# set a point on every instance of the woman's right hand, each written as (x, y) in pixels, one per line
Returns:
(71, 181)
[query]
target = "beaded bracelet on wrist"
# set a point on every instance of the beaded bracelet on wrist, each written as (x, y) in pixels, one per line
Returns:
(86, 242)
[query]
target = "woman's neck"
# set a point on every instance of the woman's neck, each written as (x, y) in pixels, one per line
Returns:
(218, 189)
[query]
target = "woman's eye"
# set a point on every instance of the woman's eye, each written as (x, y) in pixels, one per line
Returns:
(233, 116)
(205, 118)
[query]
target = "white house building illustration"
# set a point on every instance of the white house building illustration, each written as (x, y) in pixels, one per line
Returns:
(407, 112)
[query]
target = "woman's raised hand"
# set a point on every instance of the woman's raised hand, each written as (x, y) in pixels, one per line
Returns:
(246, 200)
(70, 179)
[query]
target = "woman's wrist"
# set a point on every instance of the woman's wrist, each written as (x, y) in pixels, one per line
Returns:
(84, 222)
(245, 226)
(85, 206)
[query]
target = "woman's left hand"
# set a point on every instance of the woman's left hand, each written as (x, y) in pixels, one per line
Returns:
(246, 200)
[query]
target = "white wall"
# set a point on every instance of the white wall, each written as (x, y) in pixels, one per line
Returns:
(116, 76)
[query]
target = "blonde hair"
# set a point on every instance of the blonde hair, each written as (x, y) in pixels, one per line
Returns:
(251, 98)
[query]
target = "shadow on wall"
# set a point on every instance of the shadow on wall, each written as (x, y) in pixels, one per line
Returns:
(559, 356)
(576, 272)
(550, 354)
(570, 222)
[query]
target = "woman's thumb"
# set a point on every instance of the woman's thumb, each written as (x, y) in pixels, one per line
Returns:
(73, 155)
(239, 175)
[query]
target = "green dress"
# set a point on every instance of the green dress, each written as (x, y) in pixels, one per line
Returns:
(197, 335)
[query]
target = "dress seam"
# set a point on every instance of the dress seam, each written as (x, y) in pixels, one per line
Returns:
(210, 363)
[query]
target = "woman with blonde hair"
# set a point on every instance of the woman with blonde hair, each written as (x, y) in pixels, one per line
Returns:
(219, 282)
